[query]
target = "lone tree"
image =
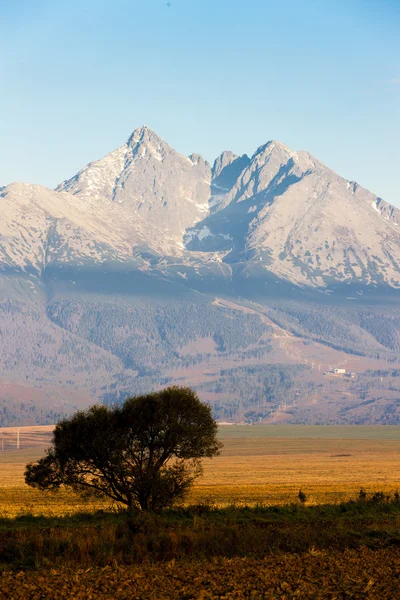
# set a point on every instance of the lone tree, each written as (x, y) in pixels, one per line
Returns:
(144, 454)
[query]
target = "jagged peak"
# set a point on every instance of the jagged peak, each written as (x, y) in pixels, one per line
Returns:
(229, 161)
(226, 156)
(223, 160)
(280, 153)
(144, 135)
(273, 146)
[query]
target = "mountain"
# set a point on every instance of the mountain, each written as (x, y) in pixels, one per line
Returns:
(291, 216)
(225, 172)
(166, 192)
(280, 214)
(247, 279)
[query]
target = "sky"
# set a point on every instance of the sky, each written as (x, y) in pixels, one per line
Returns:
(77, 77)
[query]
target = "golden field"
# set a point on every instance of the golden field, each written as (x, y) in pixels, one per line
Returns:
(328, 551)
(258, 464)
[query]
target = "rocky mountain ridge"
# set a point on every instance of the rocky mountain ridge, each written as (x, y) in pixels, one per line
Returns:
(279, 214)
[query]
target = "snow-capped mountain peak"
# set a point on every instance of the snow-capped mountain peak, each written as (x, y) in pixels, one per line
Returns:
(281, 213)
(156, 185)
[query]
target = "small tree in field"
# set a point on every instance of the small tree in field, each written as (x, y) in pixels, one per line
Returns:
(144, 454)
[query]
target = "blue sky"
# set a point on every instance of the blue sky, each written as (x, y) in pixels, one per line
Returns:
(77, 77)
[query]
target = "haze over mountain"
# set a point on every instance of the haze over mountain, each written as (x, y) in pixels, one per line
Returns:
(148, 266)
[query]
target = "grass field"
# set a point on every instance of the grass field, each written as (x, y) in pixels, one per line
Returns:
(218, 548)
(258, 464)
(339, 432)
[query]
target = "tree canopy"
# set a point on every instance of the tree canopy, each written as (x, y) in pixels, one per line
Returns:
(145, 453)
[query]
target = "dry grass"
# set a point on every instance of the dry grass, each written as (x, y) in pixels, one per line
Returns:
(315, 552)
(255, 466)
(272, 470)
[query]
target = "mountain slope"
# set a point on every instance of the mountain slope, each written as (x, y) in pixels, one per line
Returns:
(154, 183)
(280, 214)
(246, 280)
(290, 215)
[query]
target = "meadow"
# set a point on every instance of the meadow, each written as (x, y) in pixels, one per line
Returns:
(258, 464)
(243, 532)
